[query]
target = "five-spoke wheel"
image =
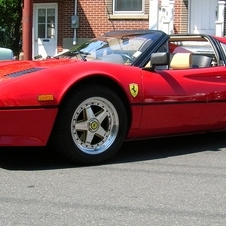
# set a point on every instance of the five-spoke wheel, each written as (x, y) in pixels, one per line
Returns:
(92, 124)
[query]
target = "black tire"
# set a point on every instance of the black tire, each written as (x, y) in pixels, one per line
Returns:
(91, 125)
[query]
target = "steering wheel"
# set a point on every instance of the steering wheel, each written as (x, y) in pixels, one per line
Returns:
(126, 58)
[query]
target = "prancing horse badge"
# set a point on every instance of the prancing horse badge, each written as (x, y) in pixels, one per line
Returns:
(133, 89)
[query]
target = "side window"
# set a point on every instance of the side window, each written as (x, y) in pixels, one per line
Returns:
(201, 52)
(163, 48)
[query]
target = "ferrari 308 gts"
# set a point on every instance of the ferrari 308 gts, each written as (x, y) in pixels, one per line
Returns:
(124, 85)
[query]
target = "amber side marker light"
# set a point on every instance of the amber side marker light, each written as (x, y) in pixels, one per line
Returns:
(46, 97)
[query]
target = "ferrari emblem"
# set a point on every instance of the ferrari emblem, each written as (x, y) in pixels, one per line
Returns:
(133, 89)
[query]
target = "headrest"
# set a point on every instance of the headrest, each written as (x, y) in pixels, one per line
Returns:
(181, 61)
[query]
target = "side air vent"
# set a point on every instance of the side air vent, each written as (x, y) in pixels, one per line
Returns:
(16, 74)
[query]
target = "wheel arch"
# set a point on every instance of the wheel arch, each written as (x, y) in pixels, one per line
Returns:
(105, 81)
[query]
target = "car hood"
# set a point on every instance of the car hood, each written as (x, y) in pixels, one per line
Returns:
(16, 68)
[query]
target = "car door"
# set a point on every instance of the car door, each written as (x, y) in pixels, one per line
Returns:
(186, 100)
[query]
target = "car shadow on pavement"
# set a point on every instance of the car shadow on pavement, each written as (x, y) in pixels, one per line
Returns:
(169, 146)
(43, 158)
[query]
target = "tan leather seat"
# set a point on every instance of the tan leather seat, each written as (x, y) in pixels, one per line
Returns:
(181, 61)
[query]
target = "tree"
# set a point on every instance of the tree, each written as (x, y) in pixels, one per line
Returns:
(10, 25)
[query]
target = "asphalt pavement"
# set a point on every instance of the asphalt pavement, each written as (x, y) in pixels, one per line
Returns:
(160, 182)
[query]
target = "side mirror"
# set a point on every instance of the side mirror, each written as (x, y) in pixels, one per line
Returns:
(159, 59)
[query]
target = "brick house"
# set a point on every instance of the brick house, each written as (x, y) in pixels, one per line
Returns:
(59, 24)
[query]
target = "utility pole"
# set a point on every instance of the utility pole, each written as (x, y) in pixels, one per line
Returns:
(27, 29)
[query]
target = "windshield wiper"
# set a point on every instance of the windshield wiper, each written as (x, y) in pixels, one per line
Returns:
(69, 54)
(82, 54)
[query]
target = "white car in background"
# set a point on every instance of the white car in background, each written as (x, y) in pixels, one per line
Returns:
(6, 54)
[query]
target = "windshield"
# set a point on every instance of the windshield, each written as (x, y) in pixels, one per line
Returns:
(122, 48)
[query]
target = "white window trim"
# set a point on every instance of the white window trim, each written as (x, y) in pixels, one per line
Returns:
(129, 13)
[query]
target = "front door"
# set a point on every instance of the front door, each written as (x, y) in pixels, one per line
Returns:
(203, 14)
(45, 30)
(178, 101)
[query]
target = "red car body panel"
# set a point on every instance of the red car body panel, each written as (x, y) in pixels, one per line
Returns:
(26, 127)
(25, 89)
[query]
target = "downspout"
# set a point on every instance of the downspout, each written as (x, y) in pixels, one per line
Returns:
(75, 32)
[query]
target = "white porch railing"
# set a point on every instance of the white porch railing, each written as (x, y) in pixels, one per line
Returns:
(220, 18)
(166, 16)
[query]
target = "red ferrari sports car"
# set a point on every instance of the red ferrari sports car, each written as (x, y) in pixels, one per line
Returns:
(124, 85)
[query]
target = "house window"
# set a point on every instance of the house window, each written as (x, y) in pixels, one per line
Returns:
(46, 23)
(128, 6)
